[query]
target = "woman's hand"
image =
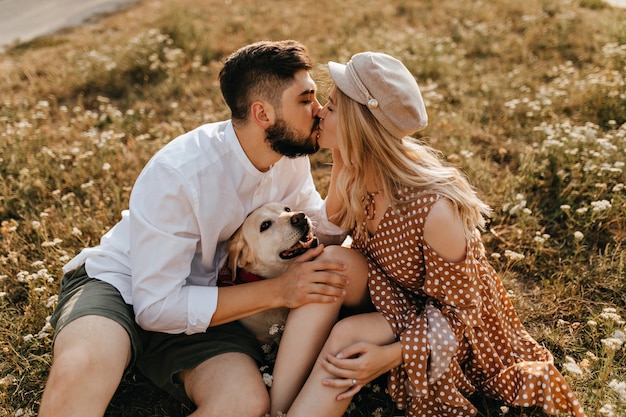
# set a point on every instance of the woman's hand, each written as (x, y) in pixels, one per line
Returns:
(359, 364)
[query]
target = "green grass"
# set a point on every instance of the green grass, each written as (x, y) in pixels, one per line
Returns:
(528, 98)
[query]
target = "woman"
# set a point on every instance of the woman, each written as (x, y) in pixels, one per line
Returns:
(443, 324)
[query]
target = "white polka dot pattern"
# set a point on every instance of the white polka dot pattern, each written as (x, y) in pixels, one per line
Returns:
(459, 331)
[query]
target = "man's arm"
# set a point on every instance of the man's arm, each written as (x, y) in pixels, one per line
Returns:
(308, 280)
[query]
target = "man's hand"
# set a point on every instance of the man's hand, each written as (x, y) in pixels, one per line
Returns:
(313, 278)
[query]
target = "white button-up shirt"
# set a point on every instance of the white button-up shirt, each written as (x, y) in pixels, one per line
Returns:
(164, 254)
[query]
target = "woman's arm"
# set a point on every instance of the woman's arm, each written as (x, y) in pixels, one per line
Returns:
(332, 199)
(444, 232)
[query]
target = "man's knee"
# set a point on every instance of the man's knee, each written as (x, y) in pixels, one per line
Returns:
(227, 385)
(91, 344)
(245, 405)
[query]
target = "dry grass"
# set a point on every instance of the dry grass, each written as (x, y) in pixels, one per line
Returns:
(529, 98)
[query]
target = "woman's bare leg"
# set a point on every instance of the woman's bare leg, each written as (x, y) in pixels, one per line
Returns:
(316, 399)
(306, 331)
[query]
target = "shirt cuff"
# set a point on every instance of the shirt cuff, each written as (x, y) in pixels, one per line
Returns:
(202, 303)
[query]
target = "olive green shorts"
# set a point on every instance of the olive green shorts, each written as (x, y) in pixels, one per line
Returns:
(159, 356)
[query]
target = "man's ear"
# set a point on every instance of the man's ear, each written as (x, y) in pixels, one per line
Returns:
(263, 114)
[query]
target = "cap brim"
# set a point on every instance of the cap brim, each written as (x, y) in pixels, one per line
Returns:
(341, 77)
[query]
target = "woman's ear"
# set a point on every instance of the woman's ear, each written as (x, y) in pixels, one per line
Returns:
(263, 114)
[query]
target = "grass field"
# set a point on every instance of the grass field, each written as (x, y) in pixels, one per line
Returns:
(527, 97)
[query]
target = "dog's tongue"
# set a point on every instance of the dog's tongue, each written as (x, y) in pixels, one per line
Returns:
(300, 247)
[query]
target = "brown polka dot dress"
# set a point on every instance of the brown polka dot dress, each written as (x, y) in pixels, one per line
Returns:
(459, 332)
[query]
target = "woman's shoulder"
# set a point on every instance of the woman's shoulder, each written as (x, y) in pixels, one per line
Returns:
(411, 199)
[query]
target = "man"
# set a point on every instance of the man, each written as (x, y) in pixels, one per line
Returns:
(158, 266)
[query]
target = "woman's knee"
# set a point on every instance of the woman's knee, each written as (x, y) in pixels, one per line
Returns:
(357, 271)
(345, 332)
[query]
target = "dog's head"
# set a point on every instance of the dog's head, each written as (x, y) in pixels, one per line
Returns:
(269, 238)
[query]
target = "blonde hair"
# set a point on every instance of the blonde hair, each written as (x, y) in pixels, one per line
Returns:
(365, 145)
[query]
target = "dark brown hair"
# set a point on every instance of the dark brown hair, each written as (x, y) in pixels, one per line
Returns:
(262, 70)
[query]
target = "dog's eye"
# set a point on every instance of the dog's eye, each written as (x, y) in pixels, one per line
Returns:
(265, 225)
(287, 209)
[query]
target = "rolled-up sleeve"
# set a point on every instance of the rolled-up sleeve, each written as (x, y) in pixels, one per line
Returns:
(164, 238)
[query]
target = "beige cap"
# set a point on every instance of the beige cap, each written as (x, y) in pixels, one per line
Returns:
(386, 87)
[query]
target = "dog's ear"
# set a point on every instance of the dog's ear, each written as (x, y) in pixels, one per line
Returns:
(239, 253)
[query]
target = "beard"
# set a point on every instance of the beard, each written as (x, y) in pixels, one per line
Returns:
(287, 141)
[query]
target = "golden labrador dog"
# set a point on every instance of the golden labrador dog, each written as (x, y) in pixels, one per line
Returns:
(262, 248)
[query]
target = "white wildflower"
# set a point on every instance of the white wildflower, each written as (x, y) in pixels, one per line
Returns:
(51, 243)
(612, 343)
(268, 380)
(618, 334)
(610, 314)
(601, 205)
(8, 380)
(620, 388)
(504, 409)
(607, 410)
(88, 184)
(21, 412)
(566, 207)
(23, 276)
(570, 366)
(45, 331)
(513, 256)
(521, 205)
(275, 329)
(52, 300)
(578, 235)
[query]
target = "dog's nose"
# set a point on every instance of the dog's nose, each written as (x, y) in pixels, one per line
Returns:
(298, 219)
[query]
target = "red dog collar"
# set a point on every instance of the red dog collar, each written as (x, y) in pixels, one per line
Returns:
(245, 276)
(225, 277)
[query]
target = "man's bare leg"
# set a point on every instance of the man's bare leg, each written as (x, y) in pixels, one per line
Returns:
(89, 358)
(227, 385)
